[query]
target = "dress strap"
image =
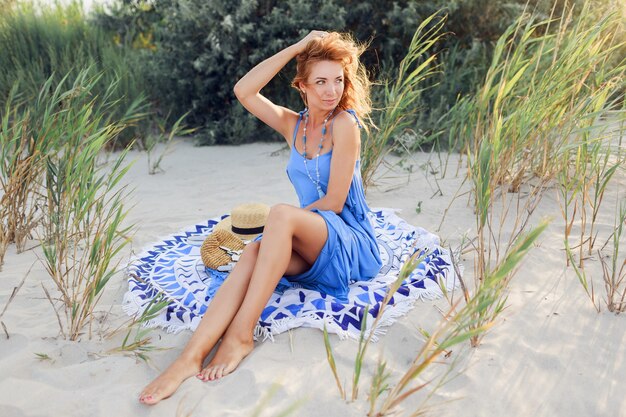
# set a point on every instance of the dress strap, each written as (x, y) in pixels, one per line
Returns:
(353, 113)
(295, 131)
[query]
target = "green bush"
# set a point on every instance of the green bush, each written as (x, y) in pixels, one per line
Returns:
(202, 47)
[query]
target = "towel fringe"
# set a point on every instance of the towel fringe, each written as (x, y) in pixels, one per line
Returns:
(390, 316)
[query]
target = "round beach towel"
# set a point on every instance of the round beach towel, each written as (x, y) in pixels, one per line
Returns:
(172, 269)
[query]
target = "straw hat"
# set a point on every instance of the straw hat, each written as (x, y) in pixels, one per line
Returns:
(246, 221)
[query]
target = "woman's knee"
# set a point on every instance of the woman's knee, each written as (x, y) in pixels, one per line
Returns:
(280, 214)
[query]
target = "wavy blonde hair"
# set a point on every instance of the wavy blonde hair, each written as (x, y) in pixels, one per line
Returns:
(342, 48)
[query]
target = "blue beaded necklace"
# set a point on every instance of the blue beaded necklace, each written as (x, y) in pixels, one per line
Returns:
(316, 182)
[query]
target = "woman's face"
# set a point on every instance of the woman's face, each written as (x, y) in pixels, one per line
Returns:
(324, 86)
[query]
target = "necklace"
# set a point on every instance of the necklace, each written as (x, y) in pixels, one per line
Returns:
(316, 182)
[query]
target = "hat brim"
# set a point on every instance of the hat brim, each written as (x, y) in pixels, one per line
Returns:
(226, 224)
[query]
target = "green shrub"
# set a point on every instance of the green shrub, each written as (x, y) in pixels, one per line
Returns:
(201, 48)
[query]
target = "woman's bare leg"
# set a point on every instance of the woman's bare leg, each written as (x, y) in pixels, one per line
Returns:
(223, 308)
(288, 229)
(218, 316)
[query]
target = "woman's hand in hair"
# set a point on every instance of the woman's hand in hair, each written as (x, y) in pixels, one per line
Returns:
(314, 34)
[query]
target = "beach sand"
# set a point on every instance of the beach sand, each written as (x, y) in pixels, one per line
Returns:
(549, 354)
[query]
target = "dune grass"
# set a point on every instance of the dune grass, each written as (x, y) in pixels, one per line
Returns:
(41, 40)
(612, 268)
(401, 95)
(539, 104)
(84, 224)
(543, 94)
(4, 235)
(457, 326)
(20, 169)
(53, 179)
(11, 298)
(50, 46)
(163, 137)
(547, 87)
(365, 338)
(140, 344)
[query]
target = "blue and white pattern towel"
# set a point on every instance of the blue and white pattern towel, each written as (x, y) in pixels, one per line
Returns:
(173, 269)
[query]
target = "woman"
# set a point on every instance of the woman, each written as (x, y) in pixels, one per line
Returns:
(323, 244)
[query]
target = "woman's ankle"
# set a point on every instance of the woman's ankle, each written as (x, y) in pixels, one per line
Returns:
(239, 337)
(191, 357)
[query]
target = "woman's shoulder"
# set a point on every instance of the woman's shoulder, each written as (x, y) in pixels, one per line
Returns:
(291, 118)
(346, 119)
(345, 130)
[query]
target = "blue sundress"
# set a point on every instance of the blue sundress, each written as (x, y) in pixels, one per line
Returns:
(351, 252)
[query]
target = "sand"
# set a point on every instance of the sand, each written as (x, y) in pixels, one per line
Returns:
(550, 353)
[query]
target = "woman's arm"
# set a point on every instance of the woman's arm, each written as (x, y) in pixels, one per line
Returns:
(346, 146)
(249, 86)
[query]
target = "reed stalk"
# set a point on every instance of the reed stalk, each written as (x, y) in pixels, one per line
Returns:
(614, 271)
(4, 235)
(330, 357)
(164, 137)
(11, 297)
(401, 95)
(469, 323)
(380, 384)
(140, 345)
(603, 171)
(459, 325)
(365, 335)
(581, 273)
(588, 168)
(592, 154)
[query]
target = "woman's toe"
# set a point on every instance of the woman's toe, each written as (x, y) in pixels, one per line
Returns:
(144, 396)
(220, 372)
(148, 399)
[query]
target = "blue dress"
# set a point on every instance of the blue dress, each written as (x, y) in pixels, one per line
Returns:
(351, 252)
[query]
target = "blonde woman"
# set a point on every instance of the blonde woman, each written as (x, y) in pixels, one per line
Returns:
(321, 245)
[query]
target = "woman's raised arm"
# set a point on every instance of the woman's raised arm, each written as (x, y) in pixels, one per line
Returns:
(249, 86)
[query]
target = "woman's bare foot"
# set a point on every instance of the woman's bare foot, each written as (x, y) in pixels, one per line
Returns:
(229, 354)
(168, 382)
